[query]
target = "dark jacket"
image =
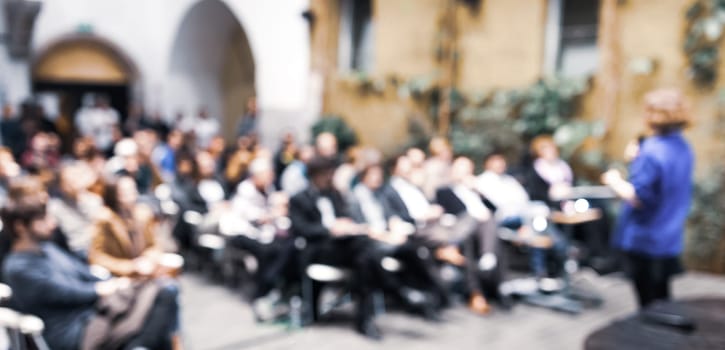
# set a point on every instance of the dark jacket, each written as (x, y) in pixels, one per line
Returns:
(56, 287)
(356, 211)
(307, 219)
(536, 186)
(394, 204)
(446, 198)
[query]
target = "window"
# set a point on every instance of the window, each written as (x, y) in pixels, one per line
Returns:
(572, 37)
(356, 36)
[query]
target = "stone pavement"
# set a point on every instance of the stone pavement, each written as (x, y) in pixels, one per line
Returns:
(216, 318)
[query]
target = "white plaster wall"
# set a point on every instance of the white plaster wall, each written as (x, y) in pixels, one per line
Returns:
(145, 30)
(14, 80)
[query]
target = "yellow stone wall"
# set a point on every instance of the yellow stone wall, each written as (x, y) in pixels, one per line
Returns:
(656, 29)
(501, 46)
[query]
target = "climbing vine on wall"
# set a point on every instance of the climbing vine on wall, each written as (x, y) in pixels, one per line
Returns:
(705, 21)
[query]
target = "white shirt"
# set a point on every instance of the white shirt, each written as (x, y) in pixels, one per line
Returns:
(413, 198)
(505, 192)
(212, 191)
(327, 210)
(205, 129)
(293, 178)
(98, 124)
(249, 201)
(472, 200)
(554, 172)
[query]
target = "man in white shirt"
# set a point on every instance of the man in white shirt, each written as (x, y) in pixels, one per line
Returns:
(514, 210)
(502, 189)
(205, 128)
(99, 122)
(264, 227)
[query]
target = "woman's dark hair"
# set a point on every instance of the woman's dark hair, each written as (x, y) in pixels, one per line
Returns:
(110, 193)
(187, 156)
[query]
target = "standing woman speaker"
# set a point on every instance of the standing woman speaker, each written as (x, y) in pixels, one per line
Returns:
(656, 196)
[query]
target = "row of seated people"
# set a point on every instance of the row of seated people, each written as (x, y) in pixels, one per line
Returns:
(372, 221)
(133, 306)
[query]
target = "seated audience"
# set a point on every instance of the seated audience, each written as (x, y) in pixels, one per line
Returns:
(124, 240)
(444, 234)
(79, 310)
(294, 178)
(482, 251)
(265, 236)
(399, 240)
(75, 207)
(515, 211)
(319, 215)
(550, 178)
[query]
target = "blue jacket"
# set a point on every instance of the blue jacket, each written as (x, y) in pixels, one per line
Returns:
(662, 178)
(56, 287)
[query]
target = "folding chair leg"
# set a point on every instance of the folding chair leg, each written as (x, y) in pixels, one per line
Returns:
(39, 342)
(308, 296)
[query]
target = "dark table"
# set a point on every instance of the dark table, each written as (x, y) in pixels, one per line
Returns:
(635, 333)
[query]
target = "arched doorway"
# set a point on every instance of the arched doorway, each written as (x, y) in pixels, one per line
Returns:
(74, 67)
(211, 65)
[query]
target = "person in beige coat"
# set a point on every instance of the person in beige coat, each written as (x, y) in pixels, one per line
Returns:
(123, 234)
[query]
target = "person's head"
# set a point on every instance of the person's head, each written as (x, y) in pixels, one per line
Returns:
(305, 153)
(666, 111)
(102, 101)
(461, 169)
(186, 166)
(288, 138)
(252, 105)
(261, 172)
(440, 148)
(496, 163)
(40, 142)
(175, 139)
(326, 145)
(402, 166)
(216, 145)
(206, 164)
(146, 140)
(544, 147)
(203, 113)
(372, 176)
(75, 178)
(24, 214)
(120, 193)
(84, 148)
(416, 156)
(320, 171)
(8, 112)
(127, 150)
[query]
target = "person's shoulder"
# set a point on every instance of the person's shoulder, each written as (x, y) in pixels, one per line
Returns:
(104, 215)
(301, 196)
(21, 263)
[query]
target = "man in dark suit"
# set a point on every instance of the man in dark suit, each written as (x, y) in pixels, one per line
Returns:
(319, 214)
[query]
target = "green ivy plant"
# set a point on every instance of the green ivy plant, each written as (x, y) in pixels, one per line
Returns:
(705, 240)
(506, 120)
(705, 21)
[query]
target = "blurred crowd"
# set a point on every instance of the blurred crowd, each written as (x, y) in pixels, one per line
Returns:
(122, 195)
